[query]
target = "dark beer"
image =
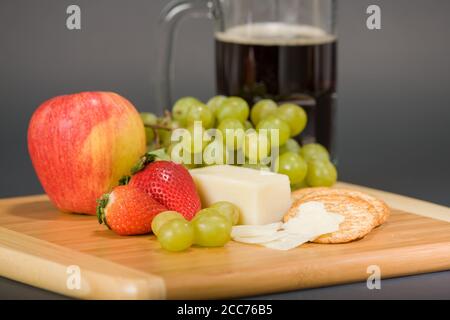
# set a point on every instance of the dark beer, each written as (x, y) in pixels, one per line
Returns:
(286, 63)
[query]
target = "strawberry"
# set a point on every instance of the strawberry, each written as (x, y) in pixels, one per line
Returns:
(167, 182)
(128, 211)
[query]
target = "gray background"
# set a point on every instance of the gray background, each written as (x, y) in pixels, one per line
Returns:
(394, 84)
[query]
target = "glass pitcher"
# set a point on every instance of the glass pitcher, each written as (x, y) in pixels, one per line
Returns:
(283, 50)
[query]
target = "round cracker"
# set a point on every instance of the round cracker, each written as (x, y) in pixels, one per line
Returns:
(358, 220)
(377, 207)
(300, 193)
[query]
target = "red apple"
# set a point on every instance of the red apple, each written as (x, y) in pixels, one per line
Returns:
(82, 144)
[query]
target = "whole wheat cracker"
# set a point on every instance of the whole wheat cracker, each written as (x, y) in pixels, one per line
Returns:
(378, 207)
(300, 193)
(358, 220)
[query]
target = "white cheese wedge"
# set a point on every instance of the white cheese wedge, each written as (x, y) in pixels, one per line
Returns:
(261, 196)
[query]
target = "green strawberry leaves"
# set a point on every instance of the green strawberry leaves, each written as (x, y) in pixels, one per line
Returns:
(160, 154)
(147, 158)
(124, 180)
(100, 210)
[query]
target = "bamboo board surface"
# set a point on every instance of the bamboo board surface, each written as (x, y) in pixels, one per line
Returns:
(38, 244)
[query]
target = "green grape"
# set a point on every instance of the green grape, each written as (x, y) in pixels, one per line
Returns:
(166, 122)
(294, 115)
(164, 137)
(196, 140)
(149, 119)
(175, 124)
(232, 157)
(292, 165)
(215, 102)
(176, 235)
(256, 146)
(206, 211)
(188, 146)
(321, 173)
(188, 159)
(290, 145)
(217, 153)
(256, 166)
(182, 107)
(248, 125)
(273, 122)
(262, 109)
(200, 112)
(239, 157)
(213, 153)
(165, 134)
(190, 166)
(163, 217)
(234, 108)
(314, 151)
(211, 229)
(300, 185)
(169, 150)
(228, 210)
(232, 133)
(178, 153)
(150, 147)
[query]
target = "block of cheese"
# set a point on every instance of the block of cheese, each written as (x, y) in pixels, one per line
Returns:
(263, 197)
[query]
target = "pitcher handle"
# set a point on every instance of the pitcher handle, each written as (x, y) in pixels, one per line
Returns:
(171, 15)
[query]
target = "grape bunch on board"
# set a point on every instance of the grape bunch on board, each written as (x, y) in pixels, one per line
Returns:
(306, 166)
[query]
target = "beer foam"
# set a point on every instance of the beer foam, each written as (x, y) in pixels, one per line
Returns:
(275, 34)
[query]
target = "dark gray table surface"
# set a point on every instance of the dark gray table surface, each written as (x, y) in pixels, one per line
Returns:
(424, 286)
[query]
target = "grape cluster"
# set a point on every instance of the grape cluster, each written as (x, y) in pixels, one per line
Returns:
(248, 138)
(211, 227)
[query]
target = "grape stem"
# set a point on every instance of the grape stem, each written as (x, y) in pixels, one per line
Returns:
(155, 127)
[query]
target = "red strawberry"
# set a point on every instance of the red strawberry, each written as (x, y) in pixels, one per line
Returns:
(128, 211)
(168, 183)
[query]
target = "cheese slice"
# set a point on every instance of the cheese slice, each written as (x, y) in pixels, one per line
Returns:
(262, 239)
(246, 231)
(287, 242)
(263, 197)
(311, 221)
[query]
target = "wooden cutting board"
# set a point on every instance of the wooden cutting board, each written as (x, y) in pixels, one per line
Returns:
(43, 247)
